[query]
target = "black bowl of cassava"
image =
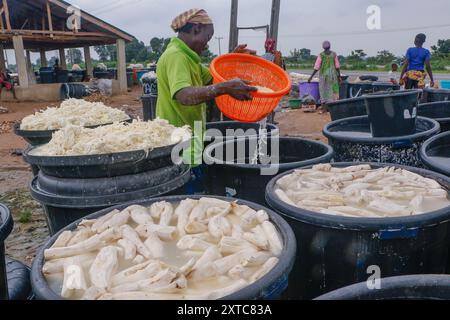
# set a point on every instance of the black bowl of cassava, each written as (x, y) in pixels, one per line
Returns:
(171, 248)
(350, 218)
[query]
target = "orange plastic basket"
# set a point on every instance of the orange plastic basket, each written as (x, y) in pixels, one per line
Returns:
(259, 72)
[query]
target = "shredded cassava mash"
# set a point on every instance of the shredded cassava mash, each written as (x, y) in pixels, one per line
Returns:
(114, 138)
(75, 112)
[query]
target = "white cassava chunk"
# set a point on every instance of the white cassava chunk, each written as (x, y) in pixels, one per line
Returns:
(257, 237)
(129, 249)
(100, 221)
(210, 255)
(94, 243)
(269, 265)
(138, 272)
(140, 214)
(131, 235)
(163, 232)
(63, 239)
(276, 245)
(104, 267)
(80, 236)
(57, 265)
(219, 226)
(115, 221)
(155, 246)
(229, 245)
(182, 212)
(192, 243)
(195, 227)
(74, 279)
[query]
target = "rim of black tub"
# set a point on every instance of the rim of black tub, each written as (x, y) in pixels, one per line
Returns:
(367, 224)
(425, 109)
(428, 287)
(389, 94)
(172, 178)
(326, 157)
(279, 272)
(428, 127)
(6, 222)
(101, 165)
(428, 160)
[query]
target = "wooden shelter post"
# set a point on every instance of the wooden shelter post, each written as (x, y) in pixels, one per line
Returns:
(43, 59)
(62, 59)
(121, 66)
(2, 58)
(88, 61)
(20, 61)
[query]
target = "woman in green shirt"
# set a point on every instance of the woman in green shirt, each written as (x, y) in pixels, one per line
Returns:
(184, 84)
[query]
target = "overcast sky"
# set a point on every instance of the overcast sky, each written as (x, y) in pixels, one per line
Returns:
(303, 23)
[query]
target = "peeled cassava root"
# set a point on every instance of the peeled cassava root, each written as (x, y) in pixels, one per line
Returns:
(195, 250)
(360, 191)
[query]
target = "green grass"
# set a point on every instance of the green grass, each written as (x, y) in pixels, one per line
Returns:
(25, 216)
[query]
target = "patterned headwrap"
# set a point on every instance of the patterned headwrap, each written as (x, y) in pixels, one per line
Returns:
(195, 16)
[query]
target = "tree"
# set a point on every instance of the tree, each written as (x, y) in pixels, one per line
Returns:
(357, 56)
(137, 51)
(442, 48)
(157, 47)
(102, 53)
(75, 56)
(385, 57)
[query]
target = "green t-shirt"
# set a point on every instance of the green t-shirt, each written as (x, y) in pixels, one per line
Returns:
(179, 67)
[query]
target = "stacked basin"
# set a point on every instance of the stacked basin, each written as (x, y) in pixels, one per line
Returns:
(72, 187)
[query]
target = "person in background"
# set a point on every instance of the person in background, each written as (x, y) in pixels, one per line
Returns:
(393, 74)
(185, 85)
(6, 82)
(417, 59)
(276, 57)
(56, 66)
(328, 65)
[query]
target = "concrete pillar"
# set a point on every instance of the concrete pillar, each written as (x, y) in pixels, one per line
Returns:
(62, 59)
(43, 59)
(88, 61)
(2, 58)
(21, 61)
(121, 66)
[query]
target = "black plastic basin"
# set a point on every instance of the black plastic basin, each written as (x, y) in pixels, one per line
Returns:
(435, 153)
(271, 286)
(392, 114)
(439, 111)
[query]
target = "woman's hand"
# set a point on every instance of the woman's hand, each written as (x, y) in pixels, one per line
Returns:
(238, 89)
(242, 48)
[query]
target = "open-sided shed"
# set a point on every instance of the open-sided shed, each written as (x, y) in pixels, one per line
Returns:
(45, 25)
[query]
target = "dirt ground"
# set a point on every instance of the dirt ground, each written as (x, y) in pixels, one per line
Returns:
(30, 229)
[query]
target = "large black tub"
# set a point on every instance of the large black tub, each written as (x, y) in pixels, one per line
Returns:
(435, 95)
(334, 251)
(347, 108)
(102, 165)
(392, 113)
(435, 153)
(230, 130)
(237, 176)
(67, 200)
(352, 140)
(6, 226)
(271, 286)
(411, 287)
(439, 111)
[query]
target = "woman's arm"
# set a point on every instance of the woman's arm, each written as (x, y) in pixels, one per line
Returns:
(192, 96)
(317, 66)
(430, 72)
